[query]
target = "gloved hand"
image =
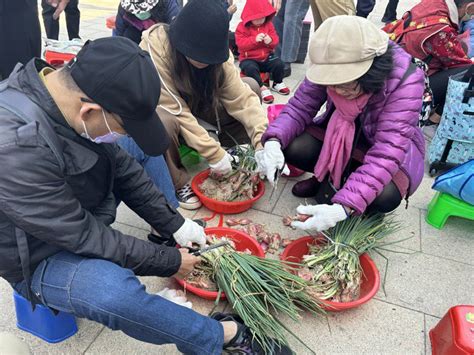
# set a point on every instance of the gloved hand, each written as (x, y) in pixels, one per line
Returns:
(270, 159)
(223, 166)
(190, 232)
(322, 217)
(175, 296)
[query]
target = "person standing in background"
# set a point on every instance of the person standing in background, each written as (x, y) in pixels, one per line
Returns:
(365, 7)
(51, 22)
(134, 17)
(323, 9)
(20, 32)
(288, 23)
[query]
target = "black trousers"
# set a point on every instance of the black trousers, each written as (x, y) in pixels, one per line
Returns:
(20, 34)
(304, 152)
(439, 86)
(51, 25)
(272, 65)
(365, 7)
(390, 11)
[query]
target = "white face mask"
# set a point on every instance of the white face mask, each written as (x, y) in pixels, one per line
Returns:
(110, 137)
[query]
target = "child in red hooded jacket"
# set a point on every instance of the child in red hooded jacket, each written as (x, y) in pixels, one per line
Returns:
(256, 39)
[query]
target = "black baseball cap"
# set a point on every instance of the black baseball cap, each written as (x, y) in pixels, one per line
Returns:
(119, 76)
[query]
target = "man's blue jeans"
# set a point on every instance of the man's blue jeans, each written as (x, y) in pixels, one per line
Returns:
(289, 26)
(155, 167)
(104, 292)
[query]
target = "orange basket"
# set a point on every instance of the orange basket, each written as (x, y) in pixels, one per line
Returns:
(222, 206)
(370, 281)
(242, 242)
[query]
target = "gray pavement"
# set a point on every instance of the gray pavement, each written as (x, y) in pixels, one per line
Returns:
(428, 274)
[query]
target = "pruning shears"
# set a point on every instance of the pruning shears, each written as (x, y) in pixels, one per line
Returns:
(278, 173)
(198, 252)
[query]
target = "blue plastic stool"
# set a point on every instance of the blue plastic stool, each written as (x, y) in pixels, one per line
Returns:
(42, 322)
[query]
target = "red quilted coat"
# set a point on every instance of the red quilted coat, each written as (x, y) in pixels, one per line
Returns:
(246, 33)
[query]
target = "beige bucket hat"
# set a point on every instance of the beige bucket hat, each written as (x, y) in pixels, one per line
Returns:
(343, 49)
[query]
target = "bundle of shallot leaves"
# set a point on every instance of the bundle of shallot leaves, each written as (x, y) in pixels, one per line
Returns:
(259, 289)
(334, 267)
(240, 184)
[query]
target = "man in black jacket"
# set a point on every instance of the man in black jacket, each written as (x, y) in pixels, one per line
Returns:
(61, 177)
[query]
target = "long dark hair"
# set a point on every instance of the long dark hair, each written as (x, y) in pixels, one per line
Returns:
(200, 93)
(374, 80)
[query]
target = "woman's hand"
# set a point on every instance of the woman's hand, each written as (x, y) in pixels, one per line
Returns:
(322, 217)
(232, 7)
(270, 159)
(60, 5)
(223, 166)
(276, 4)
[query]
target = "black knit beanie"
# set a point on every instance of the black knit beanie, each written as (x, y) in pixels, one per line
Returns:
(201, 31)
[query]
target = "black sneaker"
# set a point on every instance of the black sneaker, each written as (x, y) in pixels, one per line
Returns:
(243, 344)
(187, 198)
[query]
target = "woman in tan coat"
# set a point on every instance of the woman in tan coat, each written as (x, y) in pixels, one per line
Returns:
(203, 99)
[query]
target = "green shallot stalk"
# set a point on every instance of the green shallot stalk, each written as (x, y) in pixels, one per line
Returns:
(335, 265)
(260, 290)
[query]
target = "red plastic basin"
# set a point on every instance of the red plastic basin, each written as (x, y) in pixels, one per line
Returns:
(222, 206)
(242, 241)
(370, 281)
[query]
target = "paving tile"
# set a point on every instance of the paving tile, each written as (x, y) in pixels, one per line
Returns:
(423, 195)
(77, 344)
(126, 216)
(430, 323)
(455, 241)
(375, 328)
(130, 230)
(287, 203)
(409, 220)
(265, 203)
(426, 283)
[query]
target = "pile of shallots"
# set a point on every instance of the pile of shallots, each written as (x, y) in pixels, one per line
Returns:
(270, 242)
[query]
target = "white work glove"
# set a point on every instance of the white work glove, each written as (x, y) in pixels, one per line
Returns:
(322, 217)
(270, 159)
(190, 232)
(223, 166)
(175, 296)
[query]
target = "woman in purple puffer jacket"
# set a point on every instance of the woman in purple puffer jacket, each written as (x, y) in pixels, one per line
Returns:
(369, 86)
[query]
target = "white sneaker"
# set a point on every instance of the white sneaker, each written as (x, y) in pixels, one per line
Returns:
(187, 198)
(281, 88)
(267, 96)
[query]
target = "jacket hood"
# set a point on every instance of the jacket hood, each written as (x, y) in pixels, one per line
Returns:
(156, 42)
(445, 8)
(255, 9)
